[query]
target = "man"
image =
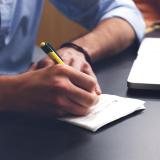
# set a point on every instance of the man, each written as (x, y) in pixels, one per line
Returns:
(46, 88)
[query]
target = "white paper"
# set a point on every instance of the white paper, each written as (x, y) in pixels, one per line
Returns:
(108, 109)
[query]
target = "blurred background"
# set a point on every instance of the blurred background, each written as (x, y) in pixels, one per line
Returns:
(56, 28)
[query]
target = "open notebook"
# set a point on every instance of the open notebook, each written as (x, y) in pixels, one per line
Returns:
(108, 109)
(145, 72)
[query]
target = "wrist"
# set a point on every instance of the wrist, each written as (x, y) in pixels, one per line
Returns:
(79, 49)
(90, 43)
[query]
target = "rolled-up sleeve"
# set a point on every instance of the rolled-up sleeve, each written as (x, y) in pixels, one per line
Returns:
(89, 13)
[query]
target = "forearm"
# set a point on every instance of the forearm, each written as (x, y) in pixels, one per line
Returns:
(109, 38)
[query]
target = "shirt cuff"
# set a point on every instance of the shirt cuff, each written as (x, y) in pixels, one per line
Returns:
(134, 18)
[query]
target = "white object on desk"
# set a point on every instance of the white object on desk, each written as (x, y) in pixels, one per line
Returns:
(108, 109)
(145, 72)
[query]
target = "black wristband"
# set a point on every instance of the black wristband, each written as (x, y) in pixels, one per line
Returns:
(79, 49)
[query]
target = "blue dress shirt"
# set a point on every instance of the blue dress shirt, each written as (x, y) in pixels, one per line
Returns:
(19, 20)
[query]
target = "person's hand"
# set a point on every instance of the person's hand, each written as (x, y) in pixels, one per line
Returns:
(55, 90)
(42, 64)
(77, 60)
(72, 58)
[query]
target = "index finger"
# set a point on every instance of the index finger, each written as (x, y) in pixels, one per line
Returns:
(80, 79)
(88, 70)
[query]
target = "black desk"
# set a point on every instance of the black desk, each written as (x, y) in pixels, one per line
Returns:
(136, 137)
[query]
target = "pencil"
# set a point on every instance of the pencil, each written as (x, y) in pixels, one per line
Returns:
(51, 52)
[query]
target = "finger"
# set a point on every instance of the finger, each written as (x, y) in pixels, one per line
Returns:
(78, 78)
(33, 67)
(81, 96)
(88, 70)
(45, 62)
(68, 106)
(85, 68)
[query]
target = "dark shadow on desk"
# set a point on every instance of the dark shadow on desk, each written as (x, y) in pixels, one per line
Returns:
(139, 93)
(136, 113)
(25, 137)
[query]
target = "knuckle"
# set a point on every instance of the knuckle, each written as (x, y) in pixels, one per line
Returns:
(49, 61)
(60, 85)
(92, 100)
(60, 68)
(92, 82)
(51, 70)
(86, 65)
(81, 111)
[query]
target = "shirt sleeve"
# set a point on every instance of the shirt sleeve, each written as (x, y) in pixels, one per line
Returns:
(89, 13)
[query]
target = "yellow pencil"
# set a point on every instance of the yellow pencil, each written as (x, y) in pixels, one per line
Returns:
(51, 52)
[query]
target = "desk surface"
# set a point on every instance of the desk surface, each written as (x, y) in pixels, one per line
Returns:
(136, 137)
